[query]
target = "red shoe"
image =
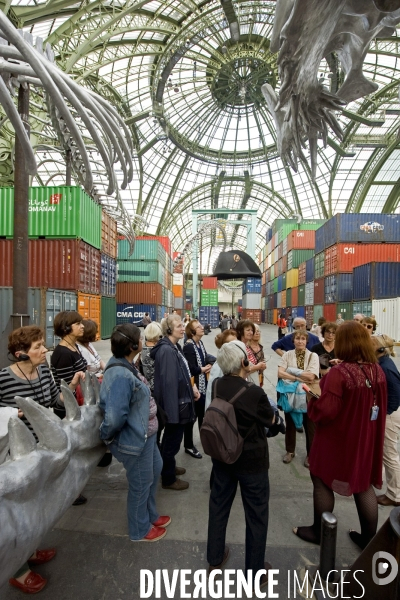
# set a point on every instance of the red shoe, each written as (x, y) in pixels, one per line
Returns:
(33, 583)
(162, 522)
(155, 534)
(42, 556)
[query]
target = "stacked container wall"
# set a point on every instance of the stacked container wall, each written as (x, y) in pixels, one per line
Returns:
(268, 235)
(364, 308)
(320, 240)
(318, 312)
(145, 249)
(310, 268)
(362, 227)
(252, 301)
(141, 271)
(252, 315)
(302, 295)
(284, 231)
(295, 296)
(108, 316)
(284, 263)
(89, 306)
(319, 290)
(109, 244)
(332, 310)
(387, 314)
(292, 278)
(301, 240)
(108, 275)
(296, 257)
(338, 288)
(139, 293)
(309, 293)
(342, 258)
(377, 280)
(319, 265)
(300, 312)
(302, 273)
(279, 283)
(134, 313)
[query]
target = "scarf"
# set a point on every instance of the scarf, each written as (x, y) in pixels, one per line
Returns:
(202, 377)
(300, 357)
(185, 362)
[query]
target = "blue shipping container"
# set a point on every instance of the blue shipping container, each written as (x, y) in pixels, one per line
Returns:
(320, 240)
(108, 275)
(134, 313)
(368, 228)
(310, 269)
(298, 311)
(280, 283)
(268, 235)
(275, 300)
(376, 280)
(251, 285)
(338, 288)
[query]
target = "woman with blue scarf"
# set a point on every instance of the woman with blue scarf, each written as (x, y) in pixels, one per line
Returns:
(296, 367)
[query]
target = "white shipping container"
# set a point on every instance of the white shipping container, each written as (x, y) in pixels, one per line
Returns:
(177, 278)
(276, 252)
(269, 261)
(252, 301)
(285, 246)
(279, 300)
(387, 315)
(309, 293)
(178, 302)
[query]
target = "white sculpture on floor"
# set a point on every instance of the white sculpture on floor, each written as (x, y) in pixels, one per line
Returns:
(306, 31)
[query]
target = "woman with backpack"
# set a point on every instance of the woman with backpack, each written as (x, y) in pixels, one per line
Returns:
(253, 414)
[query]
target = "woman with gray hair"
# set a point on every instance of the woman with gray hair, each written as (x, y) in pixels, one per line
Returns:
(152, 335)
(253, 414)
(174, 392)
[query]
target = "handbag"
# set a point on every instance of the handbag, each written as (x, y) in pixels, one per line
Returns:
(284, 330)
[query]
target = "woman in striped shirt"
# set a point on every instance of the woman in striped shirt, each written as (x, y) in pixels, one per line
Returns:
(29, 377)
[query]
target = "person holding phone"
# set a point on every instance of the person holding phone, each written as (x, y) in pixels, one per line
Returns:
(245, 332)
(326, 348)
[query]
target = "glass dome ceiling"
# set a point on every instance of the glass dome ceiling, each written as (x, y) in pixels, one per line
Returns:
(204, 137)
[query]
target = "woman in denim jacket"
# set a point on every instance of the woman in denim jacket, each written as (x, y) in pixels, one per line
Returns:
(129, 428)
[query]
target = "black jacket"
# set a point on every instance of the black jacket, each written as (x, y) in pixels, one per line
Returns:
(172, 385)
(190, 355)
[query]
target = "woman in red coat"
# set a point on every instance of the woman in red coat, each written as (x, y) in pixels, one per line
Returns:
(347, 450)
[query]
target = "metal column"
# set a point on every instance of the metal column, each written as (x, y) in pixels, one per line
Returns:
(195, 265)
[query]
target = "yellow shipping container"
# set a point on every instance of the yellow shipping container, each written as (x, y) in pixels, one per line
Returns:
(89, 306)
(292, 278)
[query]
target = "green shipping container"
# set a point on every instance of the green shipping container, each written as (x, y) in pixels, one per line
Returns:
(144, 250)
(306, 225)
(54, 213)
(302, 295)
(346, 310)
(205, 298)
(213, 297)
(319, 265)
(272, 272)
(296, 257)
(365, 308)
(289, 297)
(140, 271)
(284, 231)
(275, 284)
(108, 316)
(318, 312)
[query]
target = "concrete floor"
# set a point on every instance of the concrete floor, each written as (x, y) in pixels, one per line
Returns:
(96, 559)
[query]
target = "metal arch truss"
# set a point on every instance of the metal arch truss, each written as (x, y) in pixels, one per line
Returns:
(67, 105)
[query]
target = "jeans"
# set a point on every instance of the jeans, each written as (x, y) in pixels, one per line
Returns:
(170, 444)
(142, 473)
(199, 407)
(254, 488)
(391, 455)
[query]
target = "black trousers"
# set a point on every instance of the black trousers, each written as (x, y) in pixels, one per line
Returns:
(170, 444)
(290, 435)
(254, 488)
(199, 407)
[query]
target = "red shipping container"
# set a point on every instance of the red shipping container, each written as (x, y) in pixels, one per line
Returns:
(252, 315)
(309, 316)
(210, 283)
(301, 240)
(330, 312)
(280, 250)
(295, 296)
(6, 263)
(302, 273)
(283, 298)
(263, 290)
(240, 309)
(60, 264)
(139, 293)
(342, 258)
(284, 263)
(319, 291)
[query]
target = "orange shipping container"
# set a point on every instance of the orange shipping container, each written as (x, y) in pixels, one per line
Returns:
(342, 258)
(89, 306)
(139, 293)
(275, 316)
(301, 240)
(252, 315)
(295, 296)
(177, 291)
(109, 244)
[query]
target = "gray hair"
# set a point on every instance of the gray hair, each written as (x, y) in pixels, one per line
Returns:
(153, 332)
(168, 323)
(298, 319)
(230, 357)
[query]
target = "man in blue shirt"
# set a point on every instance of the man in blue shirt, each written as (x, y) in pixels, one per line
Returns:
(286, 343)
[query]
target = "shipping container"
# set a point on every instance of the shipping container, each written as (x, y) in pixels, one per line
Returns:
(331, 311)
(284, 281)
(108, 317)
(279, 283)
(274, 241)
(319, 290)
(134, 313)
(280, 253)
(275, 285)
(376, 280)
(301, 240)
(302, 273)
(296, 257)
(89, 306)
(279, 300)
(252, 315)
(276, 255)
(367, 228)
(284, 231)
(141, 271)
(302, 295)
(177, 291)
(342, 258)
(177, 279)
(292, 278)
(210, 283)
(289, 297)
(284, 263)
(387, 315)
(295, 296)
(298, 311)
(268, 235)
(109, 244)
(275, 316)
(108, 275)
(251, 285)
(309, 311)
(270, 316)
(145, 249)
(55, 212)
(139, 293)
(363, 308)
(278, 268)
(263, 315)
(319, 265)
(272, 272)
(338, 288)
(252, 301)
(318, 312)
(178, 302)
(6, 262)
(310, 268)
(283, 299)
(275, 296)
(309, 293)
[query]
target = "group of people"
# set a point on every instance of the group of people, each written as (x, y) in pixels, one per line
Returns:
(154, 389)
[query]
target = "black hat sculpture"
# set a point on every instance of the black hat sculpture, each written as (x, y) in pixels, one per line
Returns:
(235, 264)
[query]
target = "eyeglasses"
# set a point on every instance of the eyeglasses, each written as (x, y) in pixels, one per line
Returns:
(368, 326)
(330, 332)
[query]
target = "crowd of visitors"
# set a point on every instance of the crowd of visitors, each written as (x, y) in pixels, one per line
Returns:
(153, 391)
